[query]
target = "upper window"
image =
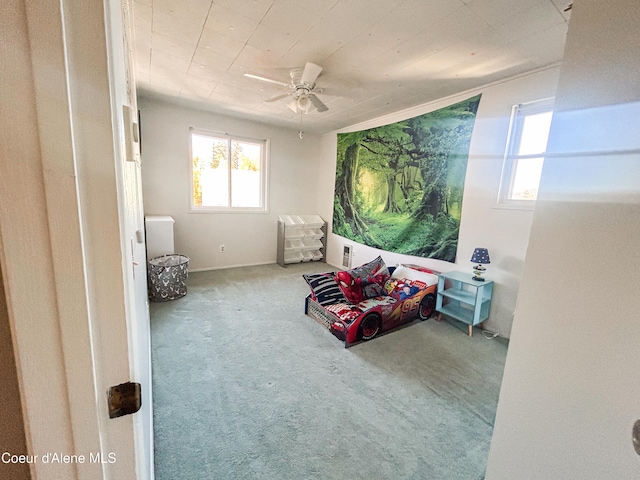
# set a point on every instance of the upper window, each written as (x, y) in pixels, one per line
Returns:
(228, 173)
(525, 151)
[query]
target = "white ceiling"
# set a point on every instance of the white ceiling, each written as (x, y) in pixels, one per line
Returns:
(378, 56)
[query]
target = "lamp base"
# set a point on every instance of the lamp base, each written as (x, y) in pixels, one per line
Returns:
(478, 270)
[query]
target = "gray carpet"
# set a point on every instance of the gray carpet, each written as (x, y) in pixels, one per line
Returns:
(248, 387)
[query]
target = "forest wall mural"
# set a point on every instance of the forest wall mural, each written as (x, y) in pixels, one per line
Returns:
(399, 187)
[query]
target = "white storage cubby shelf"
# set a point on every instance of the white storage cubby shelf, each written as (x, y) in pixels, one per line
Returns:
(300, 239)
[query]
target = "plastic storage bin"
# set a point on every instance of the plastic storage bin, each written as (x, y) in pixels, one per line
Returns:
(313, 233)
(293, 256)
(311, 221)
(311, 243)
(293, 244)
(294, 233)
(167, 277)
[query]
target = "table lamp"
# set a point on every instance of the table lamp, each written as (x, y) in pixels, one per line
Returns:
(481, 257)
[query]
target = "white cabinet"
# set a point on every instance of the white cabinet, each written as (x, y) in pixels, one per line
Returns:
(159, 235)
(300, 239)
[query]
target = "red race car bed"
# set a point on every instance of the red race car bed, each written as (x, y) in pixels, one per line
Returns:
(362, 303)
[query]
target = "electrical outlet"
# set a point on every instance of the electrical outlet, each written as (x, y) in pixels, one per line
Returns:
(222, 248)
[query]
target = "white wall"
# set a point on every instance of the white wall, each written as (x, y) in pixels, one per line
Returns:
(571, 386)
(505, 232)
(249, 238)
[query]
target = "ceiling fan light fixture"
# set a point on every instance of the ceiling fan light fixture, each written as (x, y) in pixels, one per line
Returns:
(304, 103)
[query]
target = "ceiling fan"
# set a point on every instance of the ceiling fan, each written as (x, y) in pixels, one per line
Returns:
(302, 87)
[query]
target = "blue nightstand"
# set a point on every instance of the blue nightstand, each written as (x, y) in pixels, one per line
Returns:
(464, 299)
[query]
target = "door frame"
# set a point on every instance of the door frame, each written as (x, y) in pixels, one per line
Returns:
(61, 236)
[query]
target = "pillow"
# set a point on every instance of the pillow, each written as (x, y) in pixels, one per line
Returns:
(374, 267)
(324, 288)
(408, 273)
(372, 290)
(344, 311)
(403, 288)
(365, 281)
(351, 287)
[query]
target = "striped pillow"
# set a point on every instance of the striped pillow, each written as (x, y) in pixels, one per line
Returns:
(324, 288)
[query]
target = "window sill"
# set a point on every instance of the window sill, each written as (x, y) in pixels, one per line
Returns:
(527, 205)
(227, 210)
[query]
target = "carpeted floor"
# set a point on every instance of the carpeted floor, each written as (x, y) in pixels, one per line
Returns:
(248, 387)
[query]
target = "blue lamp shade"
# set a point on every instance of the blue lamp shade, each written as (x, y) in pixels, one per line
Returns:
(480, 256)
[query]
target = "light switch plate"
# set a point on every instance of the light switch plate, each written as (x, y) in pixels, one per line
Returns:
(131, 134)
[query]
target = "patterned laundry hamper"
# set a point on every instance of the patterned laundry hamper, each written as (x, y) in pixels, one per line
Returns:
(167, 277)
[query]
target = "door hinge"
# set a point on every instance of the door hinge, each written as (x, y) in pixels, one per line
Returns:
(124, 399)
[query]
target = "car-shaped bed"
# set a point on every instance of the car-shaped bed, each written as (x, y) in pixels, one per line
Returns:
(400, 295)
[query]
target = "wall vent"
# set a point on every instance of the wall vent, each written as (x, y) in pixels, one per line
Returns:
(346, 256)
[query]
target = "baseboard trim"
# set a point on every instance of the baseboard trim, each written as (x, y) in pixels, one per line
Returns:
(208, 269)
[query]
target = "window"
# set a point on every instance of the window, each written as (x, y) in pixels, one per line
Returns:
(525, 151)
(227, 173)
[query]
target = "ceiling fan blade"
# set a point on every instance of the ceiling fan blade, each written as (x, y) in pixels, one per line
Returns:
(264, 79)
(318, 103)
(310, 73)
(278, 97)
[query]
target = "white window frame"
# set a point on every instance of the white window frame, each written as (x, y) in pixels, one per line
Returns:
(511, 157)
(264, 174)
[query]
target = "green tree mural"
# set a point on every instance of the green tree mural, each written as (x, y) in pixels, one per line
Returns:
(399, 187)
